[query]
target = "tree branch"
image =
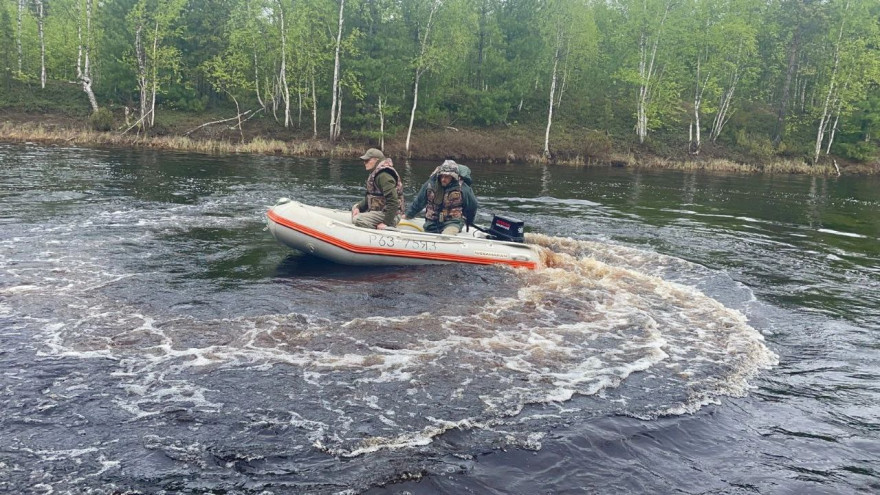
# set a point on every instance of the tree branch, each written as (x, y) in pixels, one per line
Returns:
(138, 122)
(217, 122)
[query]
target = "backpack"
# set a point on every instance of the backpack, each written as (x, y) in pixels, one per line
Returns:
(465, 173)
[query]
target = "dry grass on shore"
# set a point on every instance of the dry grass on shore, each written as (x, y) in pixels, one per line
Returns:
(85, 137)
(473, 146)
(780, 166)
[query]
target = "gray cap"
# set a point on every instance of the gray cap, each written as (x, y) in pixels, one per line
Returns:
(373, 153)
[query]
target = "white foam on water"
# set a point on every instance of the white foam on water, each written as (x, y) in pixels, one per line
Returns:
(752, 220)
(844, 234)
(596, 315)
(19, 289)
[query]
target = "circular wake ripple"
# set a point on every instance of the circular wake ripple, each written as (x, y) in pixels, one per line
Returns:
(357, 385)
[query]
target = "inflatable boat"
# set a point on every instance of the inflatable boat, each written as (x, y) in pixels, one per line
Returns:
(330, 234)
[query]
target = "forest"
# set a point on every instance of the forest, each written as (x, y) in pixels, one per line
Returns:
(767, 78)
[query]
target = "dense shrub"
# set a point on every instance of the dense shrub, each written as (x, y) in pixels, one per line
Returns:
(860, 151)
(102, 120)
(759, 145)
(597, 144)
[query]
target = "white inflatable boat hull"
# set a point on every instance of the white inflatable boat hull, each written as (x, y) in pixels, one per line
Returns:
(330, 234)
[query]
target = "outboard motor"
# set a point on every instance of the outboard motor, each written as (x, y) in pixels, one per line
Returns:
(507, 229)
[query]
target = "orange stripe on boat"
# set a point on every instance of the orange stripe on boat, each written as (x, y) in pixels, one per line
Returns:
(400, 253)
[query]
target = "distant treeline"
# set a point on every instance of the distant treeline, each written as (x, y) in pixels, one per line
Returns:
(771, 76)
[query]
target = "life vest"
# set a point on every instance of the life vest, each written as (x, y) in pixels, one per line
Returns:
(449, 207)
(375, 198)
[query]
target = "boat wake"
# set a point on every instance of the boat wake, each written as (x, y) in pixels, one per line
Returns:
(599, 321)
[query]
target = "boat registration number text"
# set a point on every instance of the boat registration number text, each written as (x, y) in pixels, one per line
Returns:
(391, 241)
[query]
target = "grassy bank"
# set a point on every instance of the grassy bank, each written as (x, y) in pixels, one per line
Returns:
(518, 143)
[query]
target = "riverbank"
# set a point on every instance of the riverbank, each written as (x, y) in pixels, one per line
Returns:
(578, 147)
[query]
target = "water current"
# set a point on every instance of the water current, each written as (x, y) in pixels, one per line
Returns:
(691, 333)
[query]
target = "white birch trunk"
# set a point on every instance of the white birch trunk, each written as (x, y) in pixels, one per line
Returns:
(565, 71)
(694, 147)
(18, 38)
(83, 70)
(834, 127)
(256, 62)
(314, 108)
(274, 94)
(420, 69)
(282, 76)
(825, 118)
(155, 66)
(39, 4)
(334, 132)
(238, 115)
(338, 128)
(646, 73)
(142, 69)
(723, 115)
(640, 106)
(552, 91)
(565, 74)
(412, 113)
(257, 82)
(381, 126)
(79, 46)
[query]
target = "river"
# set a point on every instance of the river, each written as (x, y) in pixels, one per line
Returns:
(693, 333)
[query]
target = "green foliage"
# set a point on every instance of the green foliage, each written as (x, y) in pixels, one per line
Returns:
(102, 120)
(178, 97)
(474, 107)
(860, 151)
(7, 54)
(57, 98)
(487, 62)
(758, 145)
(596, 144)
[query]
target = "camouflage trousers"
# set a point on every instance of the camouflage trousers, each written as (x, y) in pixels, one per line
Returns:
(370, 219)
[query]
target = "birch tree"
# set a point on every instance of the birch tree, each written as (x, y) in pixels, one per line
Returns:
(335, 94)
(310, 26)
(385, 49)
(19, 35)
(714, 44)
(156, 58)
(282, 72)
(798, 11)
(227, 74)
(422, 63)
(39, 6)
(705, 21)
(84, 53)
(855, 70)
(654, 16)
(570, 34)
(737, 36)
(247, 42)
(553, 76)
(832, 95)
(441, 55)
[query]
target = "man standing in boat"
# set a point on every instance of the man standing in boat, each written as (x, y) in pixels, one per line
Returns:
(383, 204)
(448, 200)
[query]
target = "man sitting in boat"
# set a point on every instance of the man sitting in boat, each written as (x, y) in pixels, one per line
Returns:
(383, 204)
(448, 200)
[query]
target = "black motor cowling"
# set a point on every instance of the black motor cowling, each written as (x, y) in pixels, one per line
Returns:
(506, 228)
